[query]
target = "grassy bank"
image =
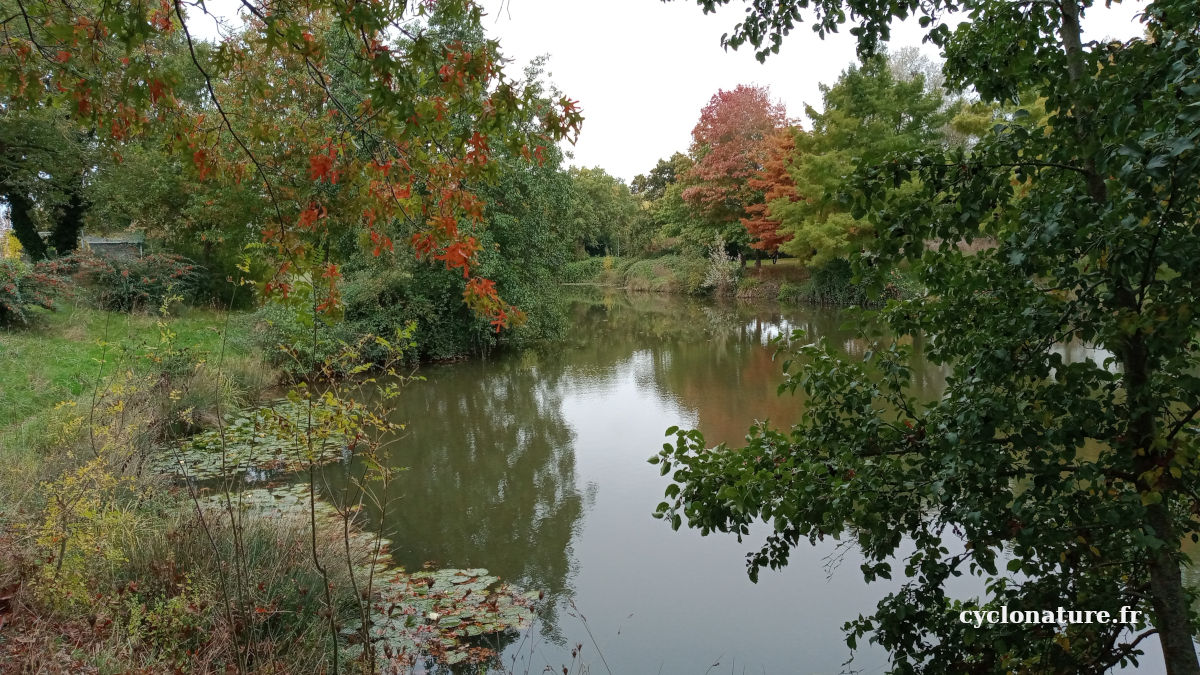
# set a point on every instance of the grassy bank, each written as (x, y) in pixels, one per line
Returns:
(58, 364)
(58, 356)
(104, 565)
(74, 380)
(110, 563)
(666, 274)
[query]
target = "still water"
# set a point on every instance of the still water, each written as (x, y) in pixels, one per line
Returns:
(533, 465)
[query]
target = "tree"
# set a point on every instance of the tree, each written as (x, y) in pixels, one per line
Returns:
(662, 191)
(729, 145)
(43, 156)
(652, 186)
(608, 219)
(1082, 475)
(776, 185)
(868, 114)
(395, 130)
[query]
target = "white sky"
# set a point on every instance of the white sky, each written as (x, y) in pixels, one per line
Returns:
(643, 69)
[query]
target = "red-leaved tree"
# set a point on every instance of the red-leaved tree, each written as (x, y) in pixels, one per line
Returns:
(729, 144)
(775, 184)
(339, 116)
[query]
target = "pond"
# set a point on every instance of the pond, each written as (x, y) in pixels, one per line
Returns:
(532, 464)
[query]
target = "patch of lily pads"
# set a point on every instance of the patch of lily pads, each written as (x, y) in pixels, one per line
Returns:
(431, 614)
(439, 614)
(257, 444)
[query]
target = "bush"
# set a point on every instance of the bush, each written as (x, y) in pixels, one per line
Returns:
(668, 274)
(903, 284)
(376, 302)
(23, 287)
(722, 271)
(583, 271)
(833, 284)
(130, 285)
(217, 273)
(750, 286)
(145, 283)
(172, 606)
(284, 337)
(790, 293)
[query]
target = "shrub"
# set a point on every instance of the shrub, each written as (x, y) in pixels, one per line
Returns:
(173, 603)
(722, 273)
(606, 270)
(668, 274)
(790, 293)
(218, 269)
(23, 287)
(130, 285)
(10, 247)
(141, 283)
(583, 271)
(833, 284)
(751, 286)
(903, 284)
(284, 337)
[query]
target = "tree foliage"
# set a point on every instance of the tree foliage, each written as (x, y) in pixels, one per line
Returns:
(777, 186)
(653, 186)
(729, 146)
(339, 117)
(867, 115)
(1060, 483)
(607, 219)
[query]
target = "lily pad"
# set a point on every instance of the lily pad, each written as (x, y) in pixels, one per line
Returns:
(434, 614)
(257, 444)
(443, 611)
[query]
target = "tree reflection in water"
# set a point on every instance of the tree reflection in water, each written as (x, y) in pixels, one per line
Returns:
(490, 476)
(494, 480)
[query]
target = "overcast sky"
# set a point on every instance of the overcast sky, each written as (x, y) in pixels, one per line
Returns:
(643, 69)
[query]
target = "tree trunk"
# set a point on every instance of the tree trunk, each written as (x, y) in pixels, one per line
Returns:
(20, 209)
(1167, 595)
(65, 234)
(1169, 599)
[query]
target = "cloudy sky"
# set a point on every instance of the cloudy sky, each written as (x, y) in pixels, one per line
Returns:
(643, 69)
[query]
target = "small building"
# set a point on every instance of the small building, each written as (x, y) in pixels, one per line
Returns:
(119, 245)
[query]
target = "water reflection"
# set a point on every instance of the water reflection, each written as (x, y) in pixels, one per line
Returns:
(490, 479)
(532, 465)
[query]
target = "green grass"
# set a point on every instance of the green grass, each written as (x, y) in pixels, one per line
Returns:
(786, 270)
(58, 356)
(668, 274)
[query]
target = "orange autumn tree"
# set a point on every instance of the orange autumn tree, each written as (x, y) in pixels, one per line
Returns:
(729, 145)
(775, 183)
(340, 115)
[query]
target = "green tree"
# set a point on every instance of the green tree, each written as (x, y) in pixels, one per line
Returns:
(653, 186)
(608, 218)
(44, 160)
(670, 218)
(868, 114)
(1079, 478)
